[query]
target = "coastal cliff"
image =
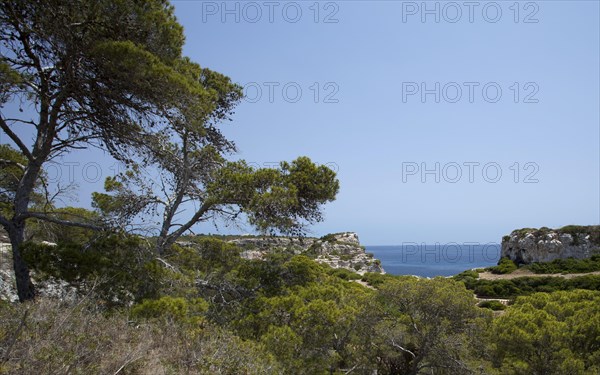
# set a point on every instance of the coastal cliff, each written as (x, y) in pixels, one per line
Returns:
(528, 245)
(339, 250)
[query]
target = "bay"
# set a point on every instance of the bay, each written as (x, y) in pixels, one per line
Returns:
(430, 260)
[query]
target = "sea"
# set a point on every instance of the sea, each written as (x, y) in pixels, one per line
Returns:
(431, 260)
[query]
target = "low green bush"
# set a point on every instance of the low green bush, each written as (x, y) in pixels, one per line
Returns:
(505, 265)
(528, 285)
(569, 265)
(344, 274)
(466, 274)
(492, 305)
(376, 279)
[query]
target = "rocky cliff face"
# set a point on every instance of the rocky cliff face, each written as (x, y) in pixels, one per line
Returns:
(526, 246)
(47, 287)
(341, 250)
(8, 289)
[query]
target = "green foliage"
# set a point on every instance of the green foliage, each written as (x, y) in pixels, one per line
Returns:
(328, 238)
(344, 274)
(536, 232)
(41, 230)
(593, 231)
(173, 309)
(13, 164)
(281, 199)
(466, 275)
(301, 270)
(201, 308)
(492, 305)
(206, 254)
(10, 80)
(553, 333)
(519, 286)
(569, 265)
(316, 320)
(109, 73)
(112, 267)
(429, 324)
(376, 279)
(505, 265)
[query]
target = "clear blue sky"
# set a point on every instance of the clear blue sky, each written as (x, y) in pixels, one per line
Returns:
(369, 61)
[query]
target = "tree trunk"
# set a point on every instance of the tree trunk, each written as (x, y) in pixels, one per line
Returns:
(25, 288)
(163, 243)
(16, 228)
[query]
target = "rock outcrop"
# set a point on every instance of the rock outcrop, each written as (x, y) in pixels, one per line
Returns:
(340, 250)
(8, 288)
(47, 287)
(527, 245)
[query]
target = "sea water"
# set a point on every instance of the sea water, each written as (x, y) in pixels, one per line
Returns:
(435, 260)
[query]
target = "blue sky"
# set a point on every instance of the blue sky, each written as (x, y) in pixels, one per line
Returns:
(368, 124)
(370, 132)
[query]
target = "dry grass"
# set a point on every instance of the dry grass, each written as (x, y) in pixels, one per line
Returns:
(51, 337)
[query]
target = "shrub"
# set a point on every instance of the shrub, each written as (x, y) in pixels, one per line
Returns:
(172, 309)
(492, 305)
(112, 267)
(505, 265)
(527, 285)
(375, 279)
(328, 238)
(50, 337)
(47, 337)
(465, 274)
(344, 274)
(569, 265)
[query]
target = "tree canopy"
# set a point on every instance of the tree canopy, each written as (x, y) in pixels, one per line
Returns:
(111, 74)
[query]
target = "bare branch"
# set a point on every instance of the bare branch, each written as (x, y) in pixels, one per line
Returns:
(45, 217)
(21, 121)
(403, 349)
(5, 162)
(197, 216)
(167, 264)
(15, 138)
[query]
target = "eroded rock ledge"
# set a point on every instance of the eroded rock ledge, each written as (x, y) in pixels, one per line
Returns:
(339, 250)
(528, 245)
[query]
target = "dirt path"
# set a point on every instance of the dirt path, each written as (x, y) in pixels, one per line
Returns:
(524, 272)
